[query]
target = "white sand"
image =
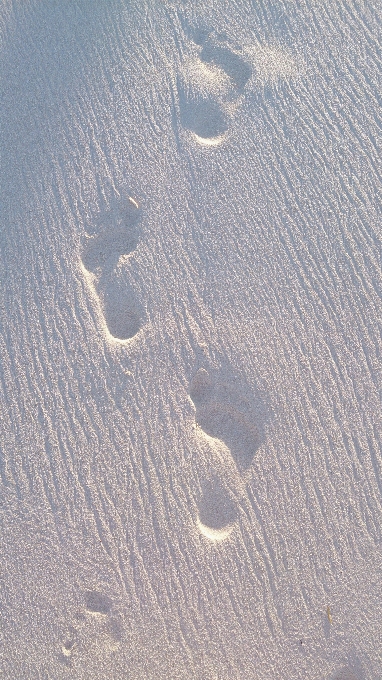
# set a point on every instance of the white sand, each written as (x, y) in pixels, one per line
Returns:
(190, 340)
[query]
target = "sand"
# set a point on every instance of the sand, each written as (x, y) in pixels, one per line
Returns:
(190, 340)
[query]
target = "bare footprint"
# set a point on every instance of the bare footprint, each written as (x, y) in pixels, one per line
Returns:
(102, 253)
(224, 413)
(120, 307)
(202, 115)
(209, 89)
(96, 629)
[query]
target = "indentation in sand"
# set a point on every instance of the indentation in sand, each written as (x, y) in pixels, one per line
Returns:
(236, 68)
(203, 116)
(97, 602)
(217, 513)
(209, 89)
(96, 629)
(102, 258)
(219, 417)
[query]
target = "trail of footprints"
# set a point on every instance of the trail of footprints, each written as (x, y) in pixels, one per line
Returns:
(210, 87)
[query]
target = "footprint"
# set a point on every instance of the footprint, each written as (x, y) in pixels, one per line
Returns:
(96, 629)
(102, 257)
(217, 513)
(203, 116)
(209, 89)
(120, 308)
(223, 413)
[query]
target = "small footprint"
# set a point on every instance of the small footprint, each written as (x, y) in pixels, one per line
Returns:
(226, 415)
(96, 628)
(102, 255)
(209, 89)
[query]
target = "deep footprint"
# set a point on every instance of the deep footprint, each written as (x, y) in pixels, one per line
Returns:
(219, 417)
(217, 512)
(120, 309)
(100, 257)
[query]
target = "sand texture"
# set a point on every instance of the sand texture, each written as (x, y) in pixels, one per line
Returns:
(190, 340)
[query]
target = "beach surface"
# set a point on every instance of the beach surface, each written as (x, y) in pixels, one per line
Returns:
(190, 340)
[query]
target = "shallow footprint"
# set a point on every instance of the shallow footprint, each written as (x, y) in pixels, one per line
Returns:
(217, 513)
(101, 254)
(97, 602)
(118, 236)
(96, 629)
(222, 413)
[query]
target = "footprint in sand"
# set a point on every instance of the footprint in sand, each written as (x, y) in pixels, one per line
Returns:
(103, 258)
(209, 89)
(212, 83)
(96, 629)
(223, 413)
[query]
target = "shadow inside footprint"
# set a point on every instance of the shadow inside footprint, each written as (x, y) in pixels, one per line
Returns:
(217, 512)
(233, 65)
(97, 602)
(104, 251)
(202, 116)
(209, 89)
(228, 425)
(121, 310)
(219, 417)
